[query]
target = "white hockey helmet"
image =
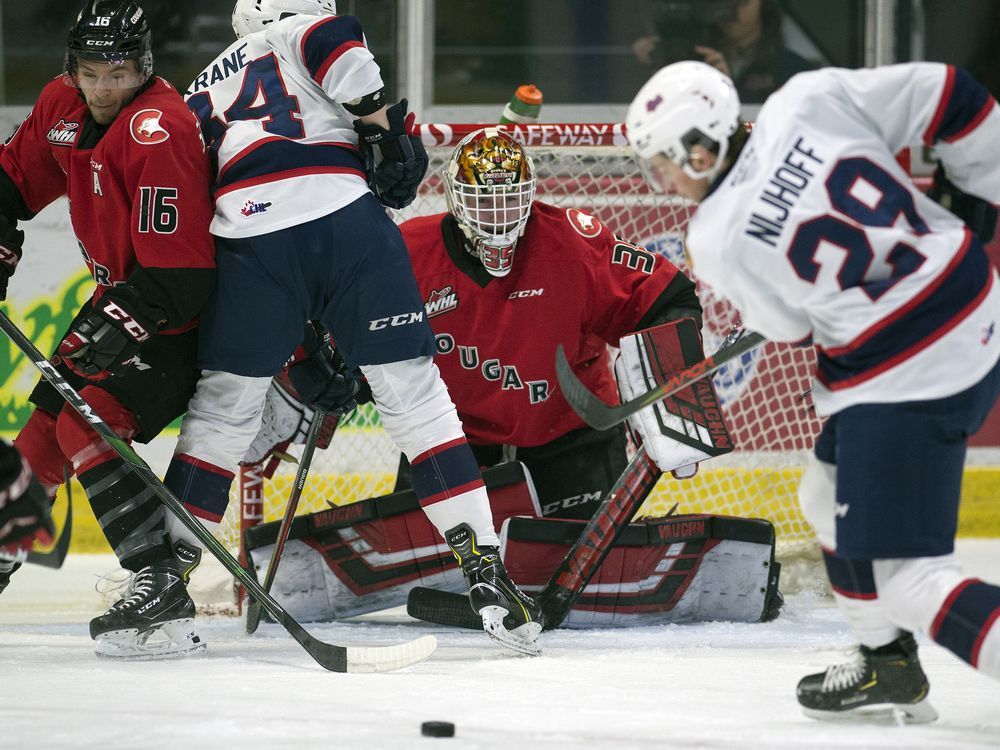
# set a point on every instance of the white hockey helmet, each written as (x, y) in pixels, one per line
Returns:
(683, 105)
(253, 15)
(490, 184)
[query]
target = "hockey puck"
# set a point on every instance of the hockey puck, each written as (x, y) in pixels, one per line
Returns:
(437, 729)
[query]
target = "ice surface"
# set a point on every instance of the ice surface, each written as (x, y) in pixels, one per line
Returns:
(713, 685)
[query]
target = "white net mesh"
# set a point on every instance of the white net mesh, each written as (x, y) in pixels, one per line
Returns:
(765, 393)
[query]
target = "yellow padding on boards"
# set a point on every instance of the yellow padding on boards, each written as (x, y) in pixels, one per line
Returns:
(729, 491)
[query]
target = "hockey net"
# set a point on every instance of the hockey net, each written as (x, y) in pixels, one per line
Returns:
(765, 393)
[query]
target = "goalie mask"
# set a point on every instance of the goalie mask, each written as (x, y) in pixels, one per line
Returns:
(490, 185)
(250, 16)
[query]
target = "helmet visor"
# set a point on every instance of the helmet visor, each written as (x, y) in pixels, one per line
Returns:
(119, 75)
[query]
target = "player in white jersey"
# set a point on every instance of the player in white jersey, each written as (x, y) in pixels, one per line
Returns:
(300, 236)
(817, 234)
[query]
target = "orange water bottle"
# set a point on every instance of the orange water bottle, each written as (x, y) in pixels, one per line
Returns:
(524, 107)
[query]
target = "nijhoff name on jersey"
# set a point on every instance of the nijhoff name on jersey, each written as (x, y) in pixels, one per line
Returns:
(783, 189)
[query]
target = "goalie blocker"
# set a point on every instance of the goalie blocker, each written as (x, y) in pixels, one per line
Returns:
(365, 557)
(687, 427)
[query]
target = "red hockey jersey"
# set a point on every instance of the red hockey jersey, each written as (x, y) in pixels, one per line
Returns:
(572, 283)
(140, 197)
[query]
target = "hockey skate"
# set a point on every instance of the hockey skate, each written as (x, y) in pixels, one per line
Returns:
(7, 569)
(188, 558)
(154, 618)
(509, 617)
(880, 683)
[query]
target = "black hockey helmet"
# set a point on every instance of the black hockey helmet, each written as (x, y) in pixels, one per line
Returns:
(110, 31)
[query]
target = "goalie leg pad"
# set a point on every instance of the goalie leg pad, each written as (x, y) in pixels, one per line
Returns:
(366, 556)
(688, 568)
(685, 428)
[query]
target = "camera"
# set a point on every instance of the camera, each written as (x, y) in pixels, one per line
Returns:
(683, 24)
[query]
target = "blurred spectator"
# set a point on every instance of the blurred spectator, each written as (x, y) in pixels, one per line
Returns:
(742, 38)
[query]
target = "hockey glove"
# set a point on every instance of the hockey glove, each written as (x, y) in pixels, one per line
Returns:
(324, 382)
(11, 241)
(105, 340)
(24, 507)
(395, 178)
(978, 214)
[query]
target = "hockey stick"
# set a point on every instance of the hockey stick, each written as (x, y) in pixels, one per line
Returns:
(330, 656)
(56, 556)
(568, 581)
(254, 610)
(601, 416)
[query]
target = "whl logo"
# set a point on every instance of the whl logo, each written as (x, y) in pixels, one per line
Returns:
(253, 207)
(441, 301)
(63, 133)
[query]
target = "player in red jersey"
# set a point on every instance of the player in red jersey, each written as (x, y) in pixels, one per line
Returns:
(505, 279)
(121, 144)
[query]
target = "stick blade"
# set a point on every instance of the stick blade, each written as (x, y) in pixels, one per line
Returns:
(590, 409)
(254, 613)
(370, 659)
(442, 608)
(55, 557)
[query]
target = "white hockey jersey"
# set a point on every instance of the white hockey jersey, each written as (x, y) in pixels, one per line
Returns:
(818, 235)
(270, 108)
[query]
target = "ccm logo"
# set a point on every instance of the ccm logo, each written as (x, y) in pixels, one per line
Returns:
(131, 326)
(521, 293)
(396, 320)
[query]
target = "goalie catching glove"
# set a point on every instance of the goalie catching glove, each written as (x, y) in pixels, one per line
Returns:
(105, 339)
(685, 428)
(395, 178)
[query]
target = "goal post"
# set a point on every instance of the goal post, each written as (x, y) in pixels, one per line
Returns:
(765, 393)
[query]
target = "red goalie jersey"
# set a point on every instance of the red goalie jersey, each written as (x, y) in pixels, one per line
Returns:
(138, 198)
(572, 283)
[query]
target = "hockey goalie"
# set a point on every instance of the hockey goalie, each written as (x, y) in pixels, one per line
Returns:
(367, 556)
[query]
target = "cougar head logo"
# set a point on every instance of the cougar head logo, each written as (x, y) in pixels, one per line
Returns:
(146, 128)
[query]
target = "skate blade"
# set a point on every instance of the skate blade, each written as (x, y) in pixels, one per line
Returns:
(170, 639)
(521, 639)
(921, 712)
